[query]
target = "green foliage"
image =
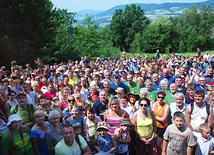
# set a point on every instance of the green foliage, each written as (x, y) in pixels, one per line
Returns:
(126, 24)
(59, 47)
(23, 29)
(30, 29)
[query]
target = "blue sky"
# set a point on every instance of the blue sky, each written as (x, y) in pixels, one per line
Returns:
(77, 5)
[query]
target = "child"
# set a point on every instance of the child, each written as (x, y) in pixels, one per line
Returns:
(178, 139)
(103, 141)
(90, 124)
(204, 140)
(122, 136)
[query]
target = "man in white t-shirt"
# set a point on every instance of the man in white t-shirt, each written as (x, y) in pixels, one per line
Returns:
(69, 146)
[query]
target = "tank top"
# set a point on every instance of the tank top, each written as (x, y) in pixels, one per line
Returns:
(64, 104)
(113, 123)
(160, 113)
(11, 104)
(145, 127)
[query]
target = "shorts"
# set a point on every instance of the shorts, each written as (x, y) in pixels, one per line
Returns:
(160, 132)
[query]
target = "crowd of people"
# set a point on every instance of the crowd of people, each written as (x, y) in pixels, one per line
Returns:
(122, 106)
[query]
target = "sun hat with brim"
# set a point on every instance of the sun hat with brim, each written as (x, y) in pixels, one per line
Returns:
(13, 117)
(102, 127)
(126, 122)
(134, 94)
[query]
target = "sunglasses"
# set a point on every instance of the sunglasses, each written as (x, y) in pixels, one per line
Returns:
(71, 100)
(161, 97)
(144, 105)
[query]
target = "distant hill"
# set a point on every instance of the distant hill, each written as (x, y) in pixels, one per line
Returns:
(103, 18)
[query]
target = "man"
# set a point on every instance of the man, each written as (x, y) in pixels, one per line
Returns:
(179, 86)
(107, 76)
(125, 106)
(100, 105)
(69, 145)
(155, 83)
(178, 105)
(198, 112)
(130, 84)
(31, 96)
(202, 84)
(209, 75)
(24, 110)
(117, 83)
(110, 91)
(168, 76)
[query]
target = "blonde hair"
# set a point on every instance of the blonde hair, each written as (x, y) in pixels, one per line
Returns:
(204, 126)
(114, 99)
(37, 112)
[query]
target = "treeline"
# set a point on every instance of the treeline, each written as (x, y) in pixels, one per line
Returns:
(33, 28)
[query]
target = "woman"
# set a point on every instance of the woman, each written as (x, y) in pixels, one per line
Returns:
(11, 102)
(114, 115)
(3, 100)
(55, 105)
(16, 134)
(90, 125)
(76, 121)
(145, 124)
(71, 103)
(54, 133)
(37, 133)
(161, 111)
(132, 99)
(3, 129)
(38, 92)
(51, 92)
(64, 97)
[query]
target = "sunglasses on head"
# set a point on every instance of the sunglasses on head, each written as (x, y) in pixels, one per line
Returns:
(144, 105)
(160, 97)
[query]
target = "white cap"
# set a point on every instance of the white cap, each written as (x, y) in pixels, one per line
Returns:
(13, 117)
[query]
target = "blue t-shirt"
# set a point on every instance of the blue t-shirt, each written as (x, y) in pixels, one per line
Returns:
(104, 143)
(76, 124)
(41, 143)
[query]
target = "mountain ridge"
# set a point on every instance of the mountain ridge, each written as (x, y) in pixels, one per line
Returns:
(152, 10)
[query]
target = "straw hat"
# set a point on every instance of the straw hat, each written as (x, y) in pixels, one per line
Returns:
(119, 90)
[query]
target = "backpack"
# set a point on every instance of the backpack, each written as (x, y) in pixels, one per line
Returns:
(23, 129)
(78, 142)
(30, 110)
(207, 109)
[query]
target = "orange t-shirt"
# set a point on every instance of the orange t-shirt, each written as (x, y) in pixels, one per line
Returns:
(160, 113)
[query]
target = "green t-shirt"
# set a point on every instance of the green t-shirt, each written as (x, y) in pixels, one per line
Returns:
(24, 114)
(19, 146)
(130, 88)
(152, 96)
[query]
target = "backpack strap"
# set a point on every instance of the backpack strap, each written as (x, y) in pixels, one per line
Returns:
(78, 142)
(30, 112)
(16, 109)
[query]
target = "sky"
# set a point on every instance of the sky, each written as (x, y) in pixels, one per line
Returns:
(100, 5)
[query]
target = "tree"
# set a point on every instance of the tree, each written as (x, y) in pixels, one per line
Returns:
(24, 29)
(59, 47)
(126, 24)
